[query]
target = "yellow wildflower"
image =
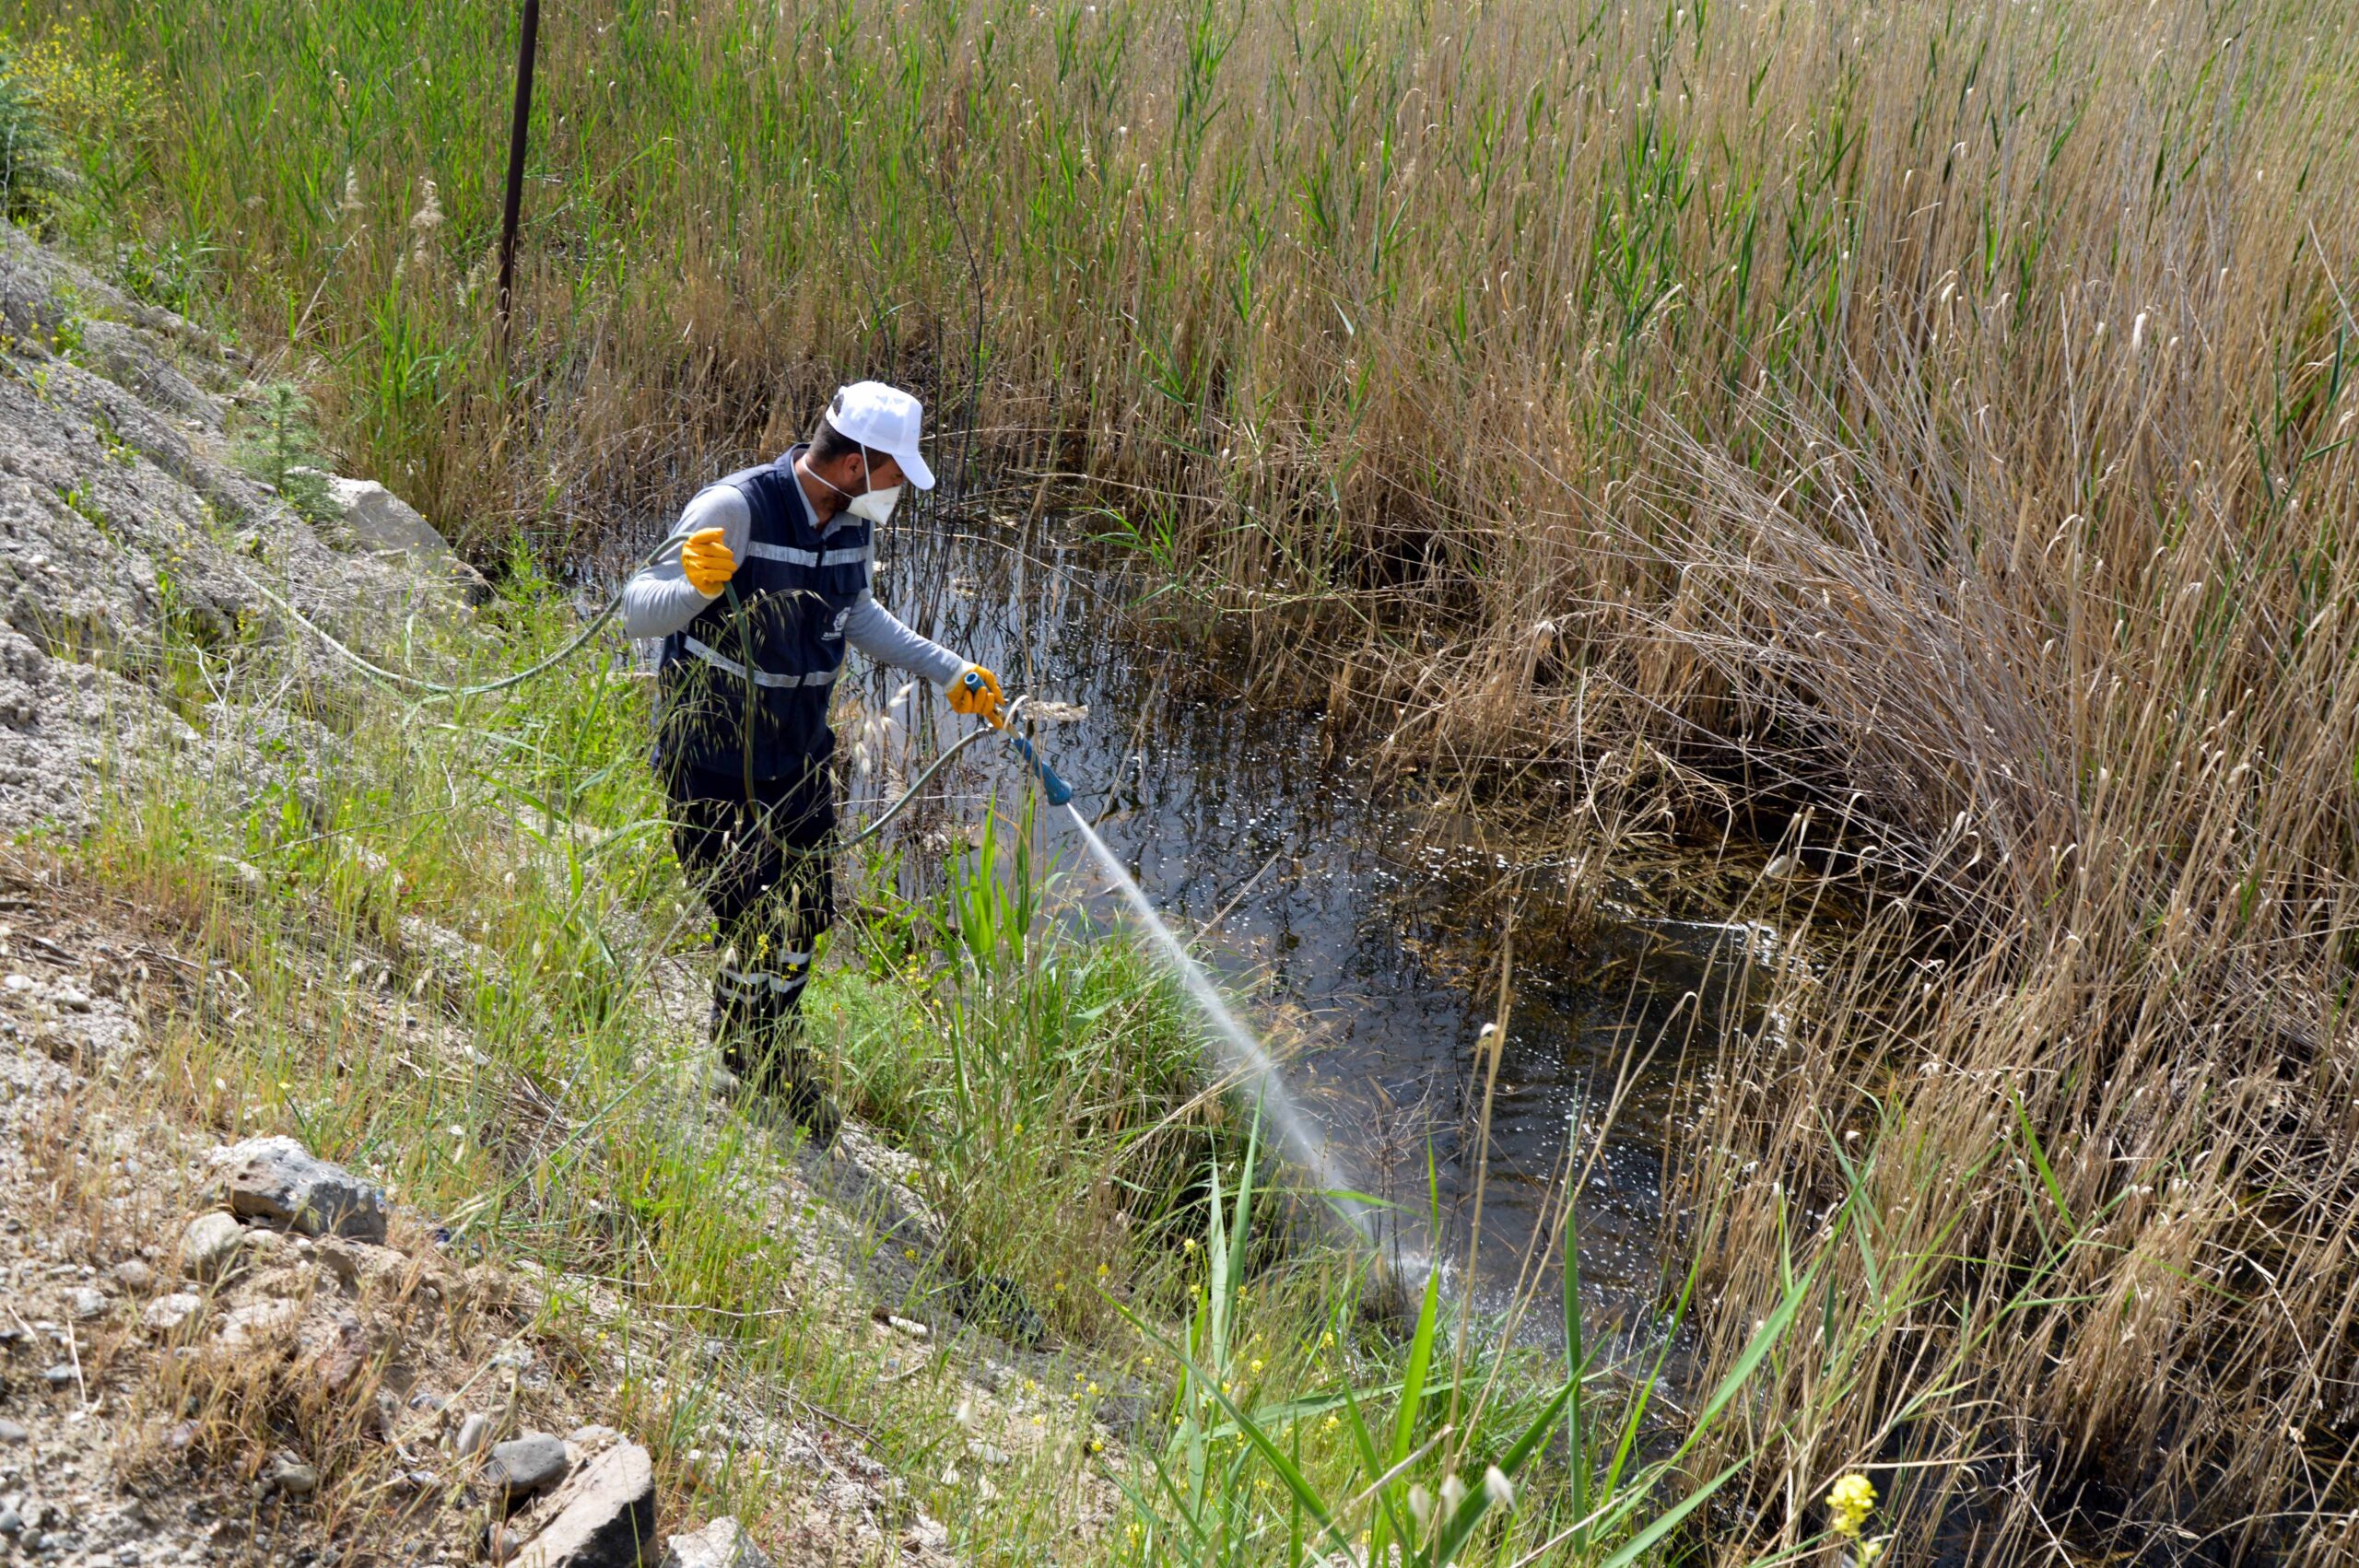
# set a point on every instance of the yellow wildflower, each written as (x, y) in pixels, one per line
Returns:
(1849, 1502)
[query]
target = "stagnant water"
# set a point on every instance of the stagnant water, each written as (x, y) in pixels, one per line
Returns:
(1244, 1058)
(1358, 928)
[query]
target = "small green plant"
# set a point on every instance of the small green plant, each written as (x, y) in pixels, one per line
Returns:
(282, 450)
(171, 274)
(81, 499)
(119, 452)
(67, 334)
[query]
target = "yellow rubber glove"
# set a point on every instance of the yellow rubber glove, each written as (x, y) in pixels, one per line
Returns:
(707, 561)
(976, 690)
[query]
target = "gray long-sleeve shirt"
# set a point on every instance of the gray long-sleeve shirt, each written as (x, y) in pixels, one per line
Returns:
(659, 600)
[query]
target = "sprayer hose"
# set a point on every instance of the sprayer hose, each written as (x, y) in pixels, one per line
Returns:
(400, 679)
(437, 689)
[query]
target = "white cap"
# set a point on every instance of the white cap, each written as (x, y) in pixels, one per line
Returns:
(884, 419)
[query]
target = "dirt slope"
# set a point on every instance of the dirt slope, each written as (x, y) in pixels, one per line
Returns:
(178, 1383)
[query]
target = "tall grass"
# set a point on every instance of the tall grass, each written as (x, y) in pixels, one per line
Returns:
(1914, 434)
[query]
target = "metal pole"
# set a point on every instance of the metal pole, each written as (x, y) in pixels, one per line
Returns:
(516, 129)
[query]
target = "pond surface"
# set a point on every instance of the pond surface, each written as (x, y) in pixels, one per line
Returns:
(1359, 931)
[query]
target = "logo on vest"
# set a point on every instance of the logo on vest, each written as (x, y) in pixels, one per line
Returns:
(835, 633)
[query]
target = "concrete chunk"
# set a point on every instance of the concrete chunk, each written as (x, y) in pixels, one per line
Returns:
(382, 521)
(277, 1178)
(603, 1515)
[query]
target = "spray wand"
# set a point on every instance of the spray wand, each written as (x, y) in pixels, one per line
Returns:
(1058, 792)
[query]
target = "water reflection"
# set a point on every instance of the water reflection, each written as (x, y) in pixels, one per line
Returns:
(1362, 930)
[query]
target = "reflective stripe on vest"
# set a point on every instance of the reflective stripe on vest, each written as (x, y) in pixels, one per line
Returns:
(721, 661)
(795, 557)
(797, 584)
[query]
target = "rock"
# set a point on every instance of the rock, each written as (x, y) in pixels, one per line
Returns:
(381, 521)
(86, 1303)
(60, 1376)
(523, 1466)
(11, 1432)
(11, 1522)
(290, 1475)
(720, 1544)
(472, 1432)
(167, 1313)
(256, 1323)
(335, 1347)
(340, 1262)
(603, 1515)
(210, 1245)
(276, 1178)
(926, 1539)
(500, 1541)
(134, 1275)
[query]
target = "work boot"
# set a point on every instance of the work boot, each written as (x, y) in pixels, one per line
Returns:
(784, 1075)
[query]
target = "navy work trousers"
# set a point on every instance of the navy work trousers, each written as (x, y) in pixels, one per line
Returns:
(763, 868)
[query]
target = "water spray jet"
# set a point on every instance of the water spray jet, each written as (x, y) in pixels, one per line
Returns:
(1242, 1054)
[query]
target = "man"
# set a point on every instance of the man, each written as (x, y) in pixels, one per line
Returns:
(768, 573)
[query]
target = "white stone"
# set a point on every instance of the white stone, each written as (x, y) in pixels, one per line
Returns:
(167, 1313)
(723, 1543)
(257, 1323)
(211, 1244)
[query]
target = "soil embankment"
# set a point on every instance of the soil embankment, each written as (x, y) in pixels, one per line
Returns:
(216, 1347)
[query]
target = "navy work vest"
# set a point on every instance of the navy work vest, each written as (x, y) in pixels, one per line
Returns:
(797, 587)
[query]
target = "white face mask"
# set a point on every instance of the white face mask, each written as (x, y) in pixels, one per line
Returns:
(874, 506)
(877, 506)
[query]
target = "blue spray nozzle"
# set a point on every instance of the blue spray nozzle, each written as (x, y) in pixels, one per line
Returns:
(1058, 792)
